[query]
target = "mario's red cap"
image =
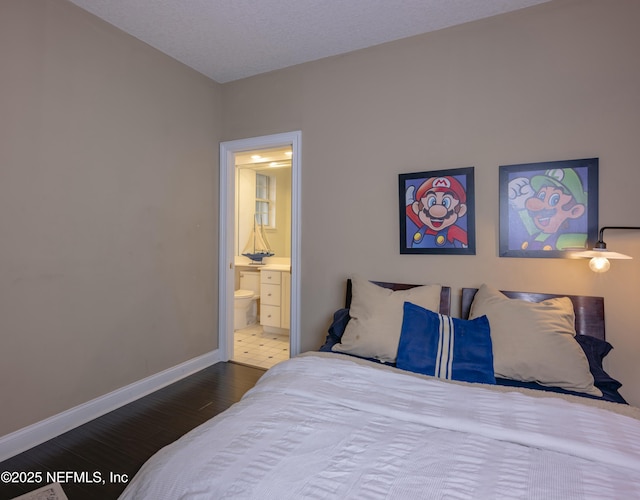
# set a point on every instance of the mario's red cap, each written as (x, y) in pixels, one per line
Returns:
(436, 184)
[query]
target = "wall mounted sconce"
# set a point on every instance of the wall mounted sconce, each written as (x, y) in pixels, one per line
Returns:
(600, 256)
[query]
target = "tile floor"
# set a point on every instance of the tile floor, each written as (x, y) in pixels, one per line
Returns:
(254, 347)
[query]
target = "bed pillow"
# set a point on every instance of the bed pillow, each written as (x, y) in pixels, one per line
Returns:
(336, 329)
(595, 350)
(535, 341)
(376, 318)
(445, 347)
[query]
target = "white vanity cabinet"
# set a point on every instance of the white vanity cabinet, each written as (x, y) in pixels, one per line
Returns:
(275, 291)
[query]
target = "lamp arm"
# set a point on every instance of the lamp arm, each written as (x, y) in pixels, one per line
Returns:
(600, 243)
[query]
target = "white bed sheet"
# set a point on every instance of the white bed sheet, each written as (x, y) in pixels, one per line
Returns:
(327, 427)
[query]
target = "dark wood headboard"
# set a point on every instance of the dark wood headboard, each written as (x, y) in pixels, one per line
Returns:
(445, 294)
(589, 310)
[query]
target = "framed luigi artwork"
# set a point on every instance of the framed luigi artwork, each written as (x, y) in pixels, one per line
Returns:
(548, 209)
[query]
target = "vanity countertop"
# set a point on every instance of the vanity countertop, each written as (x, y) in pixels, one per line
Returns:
(276, 267)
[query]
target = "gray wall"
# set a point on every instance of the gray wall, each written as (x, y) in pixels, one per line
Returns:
(557, 81)
(108, 210)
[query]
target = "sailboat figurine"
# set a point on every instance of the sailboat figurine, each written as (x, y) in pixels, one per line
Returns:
(257, 247)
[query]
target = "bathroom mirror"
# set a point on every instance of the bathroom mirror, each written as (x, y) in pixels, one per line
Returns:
(263, 197)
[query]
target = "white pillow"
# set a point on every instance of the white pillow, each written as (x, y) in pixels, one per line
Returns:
(534, 342)
(376, 318)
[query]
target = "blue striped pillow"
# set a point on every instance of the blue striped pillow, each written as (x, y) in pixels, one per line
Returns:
(444, 347)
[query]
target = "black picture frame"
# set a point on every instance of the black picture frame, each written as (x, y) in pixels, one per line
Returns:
(548, 209)
(448, 227)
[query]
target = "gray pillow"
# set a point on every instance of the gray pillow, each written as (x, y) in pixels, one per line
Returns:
(534, 341)
(376, 318)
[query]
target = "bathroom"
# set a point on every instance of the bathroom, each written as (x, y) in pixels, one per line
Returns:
(262, 242)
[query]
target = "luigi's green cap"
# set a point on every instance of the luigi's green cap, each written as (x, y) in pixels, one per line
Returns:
(563, 178)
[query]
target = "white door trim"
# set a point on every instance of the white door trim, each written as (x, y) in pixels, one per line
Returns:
(225, 236)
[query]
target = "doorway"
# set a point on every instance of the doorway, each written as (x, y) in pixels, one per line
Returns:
(231, 247)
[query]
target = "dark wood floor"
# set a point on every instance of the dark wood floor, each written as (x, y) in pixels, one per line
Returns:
(119, 442)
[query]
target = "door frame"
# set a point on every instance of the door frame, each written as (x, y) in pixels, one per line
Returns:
(226, 266)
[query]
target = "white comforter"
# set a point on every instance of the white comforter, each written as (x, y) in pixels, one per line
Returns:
(331, 428)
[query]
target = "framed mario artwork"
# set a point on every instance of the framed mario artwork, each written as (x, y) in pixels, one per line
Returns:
(437, 212)
(548, 209)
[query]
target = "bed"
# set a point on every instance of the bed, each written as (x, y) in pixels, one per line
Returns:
(337, 425)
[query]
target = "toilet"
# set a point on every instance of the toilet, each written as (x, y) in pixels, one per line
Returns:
(245, 307)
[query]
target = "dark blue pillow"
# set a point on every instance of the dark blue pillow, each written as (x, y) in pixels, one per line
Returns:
(340, 319)
(595, 350)
(445, 347)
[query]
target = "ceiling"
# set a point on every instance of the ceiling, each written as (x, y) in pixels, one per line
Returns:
(231, 39)
(264, 158)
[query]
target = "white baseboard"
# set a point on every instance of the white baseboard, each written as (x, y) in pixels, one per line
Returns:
(35, 434)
